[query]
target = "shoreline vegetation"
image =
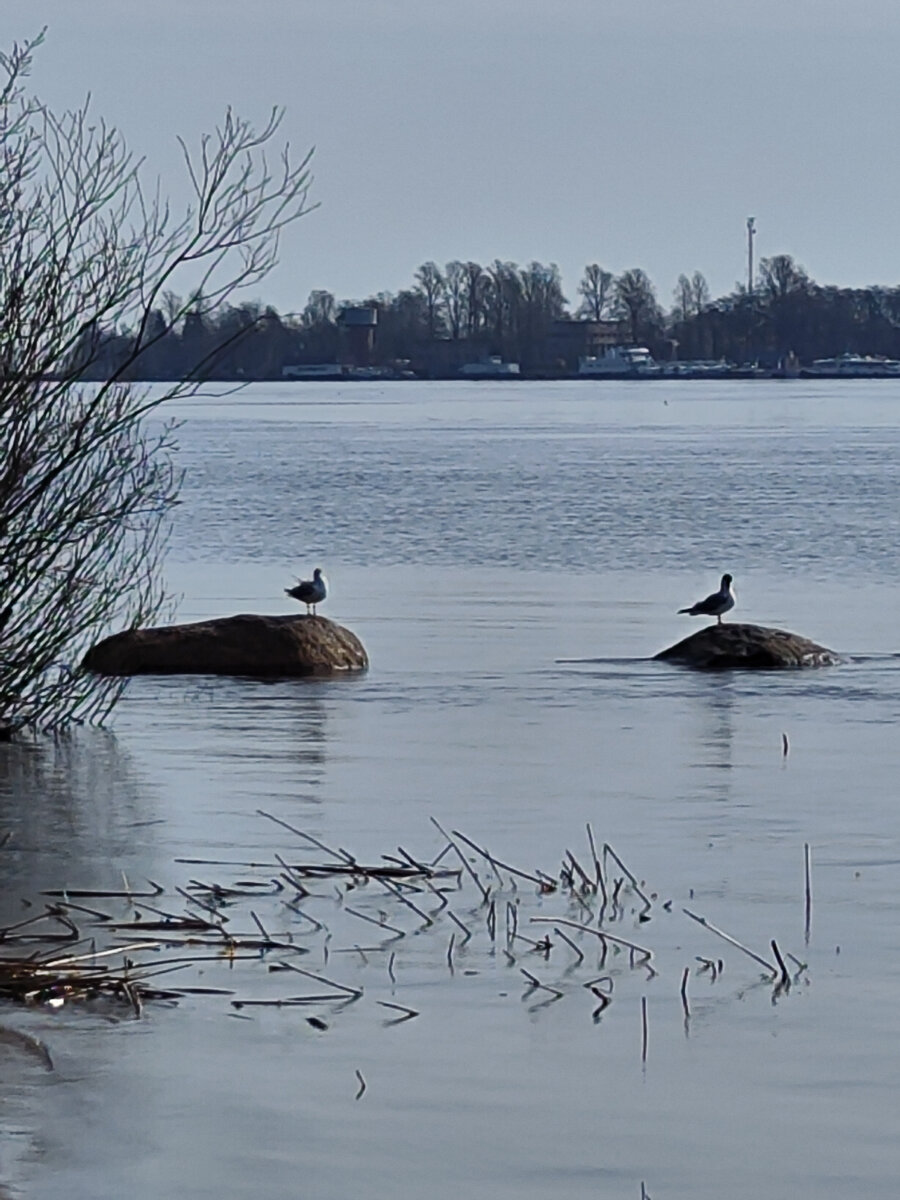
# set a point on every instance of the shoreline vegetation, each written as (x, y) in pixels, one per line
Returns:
(588, 933)
(505, 321)
(86, 484)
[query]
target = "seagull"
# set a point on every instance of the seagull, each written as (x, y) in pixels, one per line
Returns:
(310, 591)
(719, 602)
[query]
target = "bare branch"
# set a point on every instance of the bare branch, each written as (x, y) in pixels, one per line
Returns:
(88, 252)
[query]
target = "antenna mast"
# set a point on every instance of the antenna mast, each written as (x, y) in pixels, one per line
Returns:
(751, 233)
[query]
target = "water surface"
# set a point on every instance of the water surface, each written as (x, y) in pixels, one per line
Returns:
(511, 557)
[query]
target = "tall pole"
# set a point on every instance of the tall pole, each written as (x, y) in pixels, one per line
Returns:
(751, 230)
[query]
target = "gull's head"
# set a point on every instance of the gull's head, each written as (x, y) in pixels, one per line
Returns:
(726, 582)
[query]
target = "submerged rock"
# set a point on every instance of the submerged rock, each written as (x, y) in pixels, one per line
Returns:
(751, 647)
(248, 644)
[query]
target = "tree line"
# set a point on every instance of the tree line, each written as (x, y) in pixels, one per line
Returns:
(467, 310)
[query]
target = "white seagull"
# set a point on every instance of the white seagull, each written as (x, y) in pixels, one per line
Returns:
(719, 602)
(310, 591)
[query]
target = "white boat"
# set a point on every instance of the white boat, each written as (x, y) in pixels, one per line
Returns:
(620, 362)
(854, 366)
(490, 368)
(314, 371)
(696, 368)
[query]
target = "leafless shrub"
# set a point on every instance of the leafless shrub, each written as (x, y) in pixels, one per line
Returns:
(86, 481)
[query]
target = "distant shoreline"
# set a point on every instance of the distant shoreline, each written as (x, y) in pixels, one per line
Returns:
(736, 376)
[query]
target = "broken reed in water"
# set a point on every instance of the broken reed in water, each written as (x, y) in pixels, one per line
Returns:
(406, 899)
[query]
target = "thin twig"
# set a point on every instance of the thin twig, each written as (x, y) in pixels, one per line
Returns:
(291, 878)
(496, 863)
(684, 996)
(536, 983)
(317, 925)
(732, 941)
(807, 873)
(340, 855)
(579, 870)
(456, 921)
(343, 987)
(259, 925)
(599, 933)
(446, 850)
(607, 849)
(785, 977)
(395, 891)
(398, 933)
(569, 942)
(598, 868)
(485, 894)
(409, 1013)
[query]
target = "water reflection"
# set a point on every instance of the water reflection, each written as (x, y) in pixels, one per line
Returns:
(310, 739)
(279, 727)
(71, 808)
(76, 812)
(715, 699)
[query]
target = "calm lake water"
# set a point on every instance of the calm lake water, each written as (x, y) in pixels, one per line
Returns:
(511, 556)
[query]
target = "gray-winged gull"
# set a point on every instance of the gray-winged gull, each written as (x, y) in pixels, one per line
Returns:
(310, 591)
(719, 602)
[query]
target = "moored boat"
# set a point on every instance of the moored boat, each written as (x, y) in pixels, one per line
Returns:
(620, 362)
(490, 368)
(853, 366)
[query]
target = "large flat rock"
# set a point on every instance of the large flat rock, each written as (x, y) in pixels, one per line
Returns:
(748, 647)
(247, 644)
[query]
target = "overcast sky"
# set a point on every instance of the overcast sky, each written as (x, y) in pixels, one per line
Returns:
(626, 132)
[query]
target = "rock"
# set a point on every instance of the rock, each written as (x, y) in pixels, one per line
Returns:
(248, 644)
(750, 647)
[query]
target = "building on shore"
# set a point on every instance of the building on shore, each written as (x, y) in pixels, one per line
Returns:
(356, 329)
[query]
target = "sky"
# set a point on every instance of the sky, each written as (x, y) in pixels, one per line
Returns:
(632, 133)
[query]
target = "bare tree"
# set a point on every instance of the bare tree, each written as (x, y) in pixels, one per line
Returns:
(699, 292)
(430, 283)
(596, 291)
(320, 309)
(780, 276)
(476, 285)
(455, 297)
(785, 289)
(86, 484)
(691, 296)
(403, 324)
(636, 302)
(684, 299)
(541, 302)
(502, 303)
